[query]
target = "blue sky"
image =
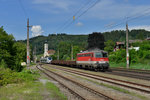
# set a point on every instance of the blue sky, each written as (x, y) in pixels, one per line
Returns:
(53, 16)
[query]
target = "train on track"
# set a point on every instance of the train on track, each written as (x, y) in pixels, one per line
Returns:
(46, 60)
(91, 59)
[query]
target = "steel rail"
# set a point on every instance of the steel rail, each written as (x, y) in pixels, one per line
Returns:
(132, 70)
(83, 86)
(116, 83)
(131, 75)
(73, 92)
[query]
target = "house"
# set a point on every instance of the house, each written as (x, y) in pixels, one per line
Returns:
(122, 45)
(148, 38)
(51, 52)
(119, 45)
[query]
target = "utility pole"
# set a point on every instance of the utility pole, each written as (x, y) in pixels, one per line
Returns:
(28, 47)
(127, 45)
(34, 55)
(72, 52)
(58, 55)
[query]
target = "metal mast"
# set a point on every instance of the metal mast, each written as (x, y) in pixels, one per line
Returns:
(58, 55)
(71, 52)
(127, 45)
(28, 48)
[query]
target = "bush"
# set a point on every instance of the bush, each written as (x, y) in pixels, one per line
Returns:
(54, 57)
(118, 56)
(3, 64)
(8, 76)
(133, 56)
(141, 56)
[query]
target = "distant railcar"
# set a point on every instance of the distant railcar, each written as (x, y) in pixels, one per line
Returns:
(46, 60)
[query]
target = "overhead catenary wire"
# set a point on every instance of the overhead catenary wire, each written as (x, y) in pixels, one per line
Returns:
(23, 8)
(130, 18)
(70, 19)
(82, 13)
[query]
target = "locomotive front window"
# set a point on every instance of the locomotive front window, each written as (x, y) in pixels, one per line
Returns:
(49, 58)
(98, 55)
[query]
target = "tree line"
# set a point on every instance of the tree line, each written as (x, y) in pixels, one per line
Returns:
(12, 53)
(82, 40)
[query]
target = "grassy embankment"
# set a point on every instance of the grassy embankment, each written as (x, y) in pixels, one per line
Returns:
(25, 86)
(132, 66)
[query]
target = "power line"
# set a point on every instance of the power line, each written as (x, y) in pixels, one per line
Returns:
(82, 14)
(130, 18)
(23, 9)
(67, 21)
(145, 14)
(138, 13)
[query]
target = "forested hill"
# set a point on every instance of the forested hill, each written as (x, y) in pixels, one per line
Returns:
(120, 35)
(54, 40)
(81, 40)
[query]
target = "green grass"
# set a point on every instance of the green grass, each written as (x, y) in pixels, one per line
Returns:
(117, 64)
(22, 91)
(55, 92)
(132, 66)
(141, 66)
(31, 91)
(8, 76)
(25, 86)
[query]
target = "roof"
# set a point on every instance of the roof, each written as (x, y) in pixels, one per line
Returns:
(130, 41)
(118, 43)
(51, 51)
(93, 50)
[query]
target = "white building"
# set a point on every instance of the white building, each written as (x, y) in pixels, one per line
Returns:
(136, 48)
(46, 50)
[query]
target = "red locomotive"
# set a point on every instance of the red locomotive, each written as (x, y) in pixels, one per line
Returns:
(96, 59)
(91, 59)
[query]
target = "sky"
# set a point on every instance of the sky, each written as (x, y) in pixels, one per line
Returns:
(56, 16)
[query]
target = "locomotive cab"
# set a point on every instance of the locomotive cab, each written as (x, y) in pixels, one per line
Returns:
(102, 61)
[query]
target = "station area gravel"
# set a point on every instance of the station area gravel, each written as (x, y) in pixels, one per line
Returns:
(145, 82)
(109, 91)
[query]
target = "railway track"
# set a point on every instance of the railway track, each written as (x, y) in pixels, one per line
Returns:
(101, 95)
(132, 70)
(126, 84)
(134, 73)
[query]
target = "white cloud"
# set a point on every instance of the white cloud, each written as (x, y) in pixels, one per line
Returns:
(79, 24)
(36, 30)
(146, 27)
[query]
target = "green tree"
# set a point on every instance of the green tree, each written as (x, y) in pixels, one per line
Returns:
(64, 50)
(96, 40)
(76, 49)
(12, 53)
(140, 36)
(118, 56)
(6, 47)
(20, 55)
(109, 46)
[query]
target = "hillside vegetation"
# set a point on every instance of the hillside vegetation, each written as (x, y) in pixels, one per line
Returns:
(81, 40)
